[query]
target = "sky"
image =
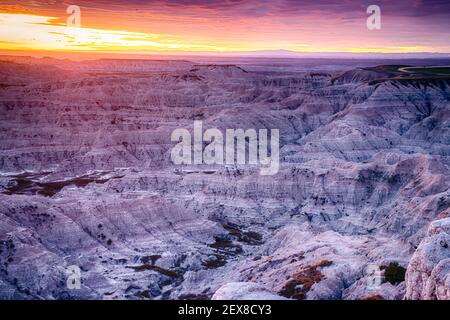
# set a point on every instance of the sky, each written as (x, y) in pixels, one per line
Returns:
(224, 26)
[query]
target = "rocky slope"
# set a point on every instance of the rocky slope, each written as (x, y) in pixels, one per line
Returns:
(86, 180)
(428, 274)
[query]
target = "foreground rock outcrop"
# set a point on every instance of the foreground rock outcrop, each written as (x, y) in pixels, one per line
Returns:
(244, 291)
(428, 274)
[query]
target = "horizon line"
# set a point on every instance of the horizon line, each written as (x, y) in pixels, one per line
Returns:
(268, 54)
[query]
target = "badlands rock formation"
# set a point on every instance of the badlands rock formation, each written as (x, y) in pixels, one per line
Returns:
(86, 180)
(244, 291)
(428, 275)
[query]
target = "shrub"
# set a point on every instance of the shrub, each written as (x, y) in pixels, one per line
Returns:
(302, 281)
(394, 273)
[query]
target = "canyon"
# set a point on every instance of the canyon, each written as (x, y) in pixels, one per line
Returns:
(86, 179)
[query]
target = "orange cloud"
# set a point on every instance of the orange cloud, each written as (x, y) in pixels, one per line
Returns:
(185, 26)
(34, 32)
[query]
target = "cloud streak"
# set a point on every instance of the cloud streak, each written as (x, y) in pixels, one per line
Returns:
(298, 25)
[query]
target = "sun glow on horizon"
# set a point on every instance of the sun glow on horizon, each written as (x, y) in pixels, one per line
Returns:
(33, 32)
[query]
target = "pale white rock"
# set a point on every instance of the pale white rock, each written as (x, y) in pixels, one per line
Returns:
(362, 289)
(428, 273)
(244, 291)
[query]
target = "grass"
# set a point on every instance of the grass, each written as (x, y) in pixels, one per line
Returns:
(28, 183)
(302, 281)
(215, 263)
(145, 267)
(410, 73)
(433, 71)
(248, 237)
(391, 69)
(225, 245)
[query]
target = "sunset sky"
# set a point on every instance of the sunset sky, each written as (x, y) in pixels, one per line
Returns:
(181, 26)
